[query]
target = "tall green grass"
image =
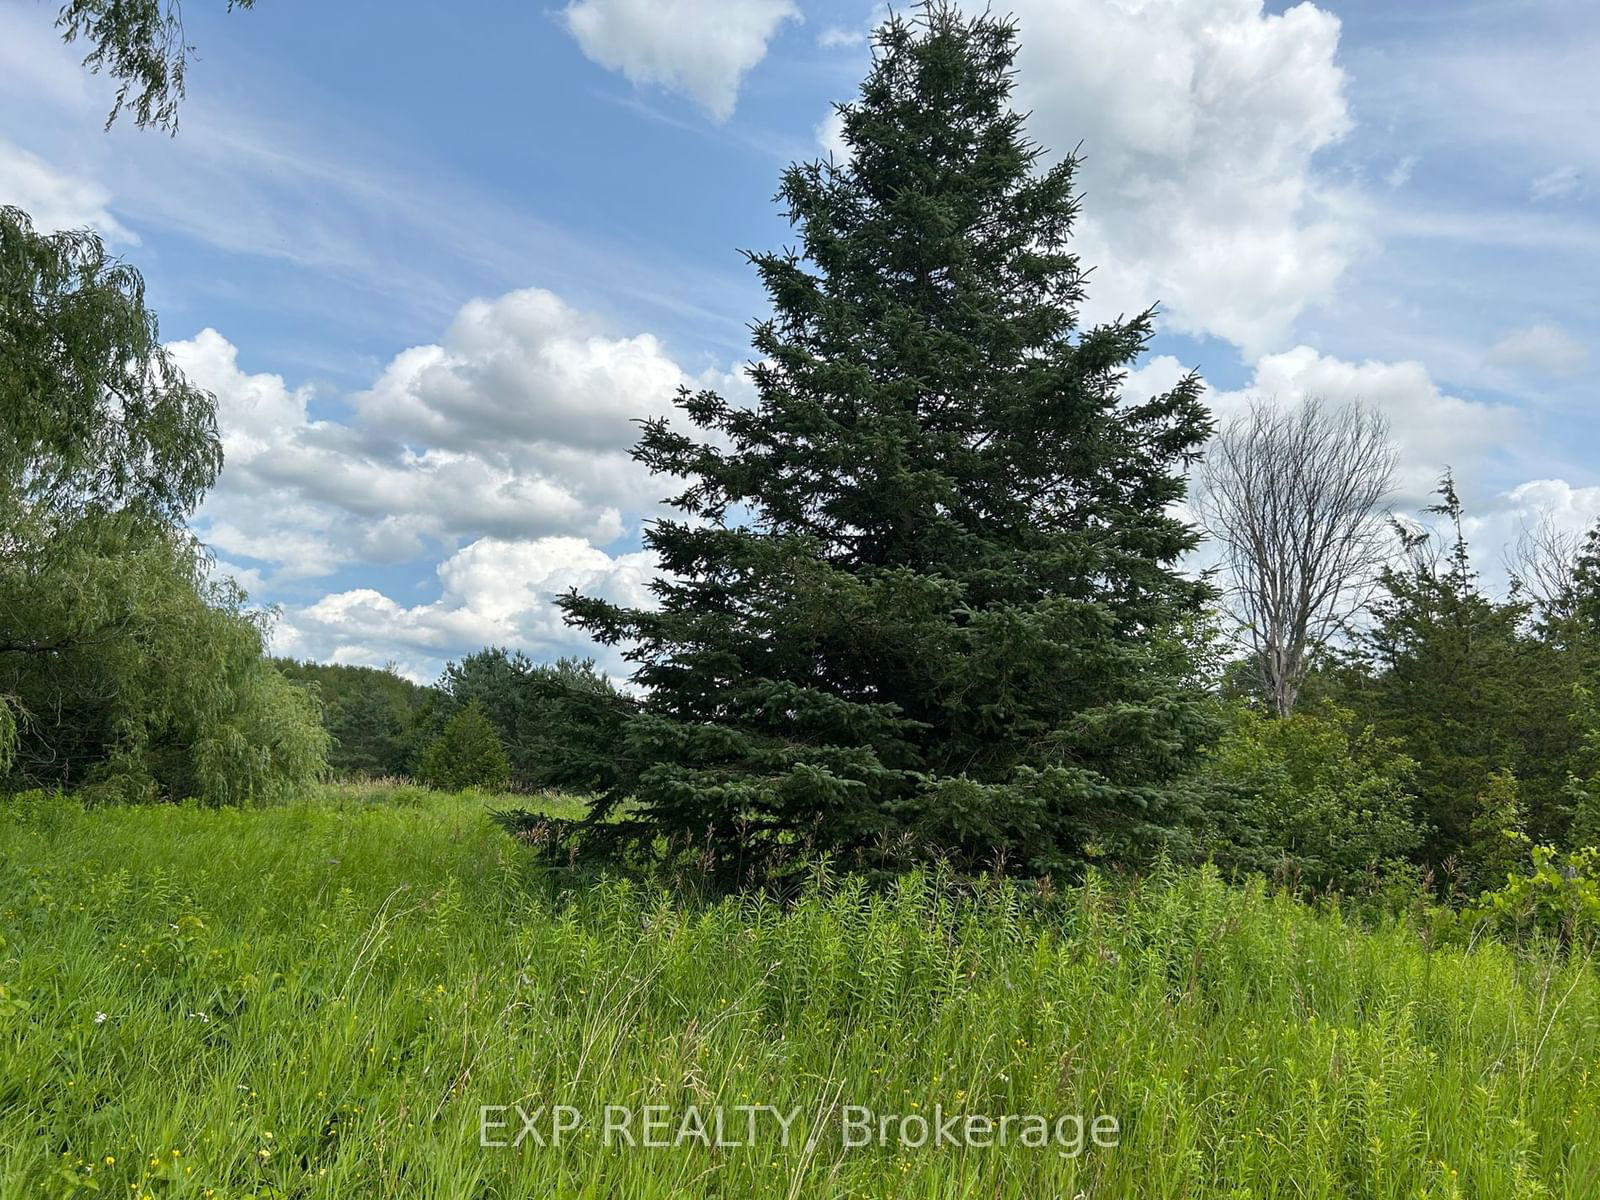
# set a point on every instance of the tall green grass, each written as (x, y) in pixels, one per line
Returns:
(315, 1001)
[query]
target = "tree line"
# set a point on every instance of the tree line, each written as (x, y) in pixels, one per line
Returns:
(930, 595)
(494, 720)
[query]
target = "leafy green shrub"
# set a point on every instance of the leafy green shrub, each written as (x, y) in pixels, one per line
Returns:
(1310, 799)
(268, 746)
(466, 754)
(1582, 791)
(1558, 896)
(1585, 827)
(1498, 811)
(41, 809)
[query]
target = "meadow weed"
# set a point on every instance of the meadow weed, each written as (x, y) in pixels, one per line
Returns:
(325, 999)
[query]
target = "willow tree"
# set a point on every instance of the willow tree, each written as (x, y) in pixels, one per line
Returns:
(141, 45)
(122, 665)
(921, 597)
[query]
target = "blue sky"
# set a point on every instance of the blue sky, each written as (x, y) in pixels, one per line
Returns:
(433, 259)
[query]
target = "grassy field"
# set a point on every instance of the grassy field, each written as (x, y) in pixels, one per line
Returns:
(317, 1001)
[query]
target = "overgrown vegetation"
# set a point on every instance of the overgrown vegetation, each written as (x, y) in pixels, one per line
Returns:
(373, 716)
(1311, 800)
(124, 670)
(315, 999)
(548, 716)
(940, 782)
(922, 602)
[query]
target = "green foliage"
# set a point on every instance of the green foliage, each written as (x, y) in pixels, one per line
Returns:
(97, 416)
(1465, 684)
(8, 734)
(1499, 827)
(141, 679)
(467, 754)
(369, 714)
(356, 978)
(267, 746)
(556, 720)
(122, 668)
(1314, 799)
(1583, 776)
(917, 597)
(369, 734)
(140, 44)
(1559, 896)
(1574, 612)
(1585, 827)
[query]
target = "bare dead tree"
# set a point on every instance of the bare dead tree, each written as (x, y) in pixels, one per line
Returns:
(1544, 562)
(1297, 498)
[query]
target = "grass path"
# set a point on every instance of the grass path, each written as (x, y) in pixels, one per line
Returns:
(315, 1001)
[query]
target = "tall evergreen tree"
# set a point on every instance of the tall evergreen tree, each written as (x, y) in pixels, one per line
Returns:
(922, 592)
(1560, 767)
(1447, 670)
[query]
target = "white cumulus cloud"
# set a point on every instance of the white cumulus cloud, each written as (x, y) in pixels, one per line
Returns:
(495, 591)
(1431, 428)
(1200, 122)
(698, 48)
(516, 425)
(830, 137)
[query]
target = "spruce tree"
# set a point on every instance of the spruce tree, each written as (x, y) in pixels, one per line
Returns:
(1444, 668)
(544, 712)
(467, 754)
(921, 596)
